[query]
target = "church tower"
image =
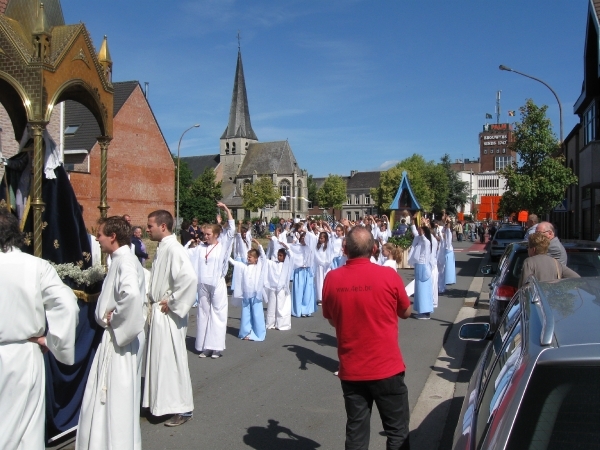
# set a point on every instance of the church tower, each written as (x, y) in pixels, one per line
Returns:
(239, 133)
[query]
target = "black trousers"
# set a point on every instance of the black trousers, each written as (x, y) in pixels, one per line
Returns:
(391, 397)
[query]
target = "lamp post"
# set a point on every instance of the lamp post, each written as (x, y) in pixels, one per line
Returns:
(508, 69)
(178, 164)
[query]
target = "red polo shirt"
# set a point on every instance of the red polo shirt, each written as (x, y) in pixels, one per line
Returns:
(363, 300)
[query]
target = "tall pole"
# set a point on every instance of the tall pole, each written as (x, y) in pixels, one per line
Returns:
(508, 69)
(178, 164)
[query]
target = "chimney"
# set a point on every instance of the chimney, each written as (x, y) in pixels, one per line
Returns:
(353, 172)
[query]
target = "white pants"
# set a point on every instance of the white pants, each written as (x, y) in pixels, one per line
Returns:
(434, 283)
(211, 325)
(279, 309)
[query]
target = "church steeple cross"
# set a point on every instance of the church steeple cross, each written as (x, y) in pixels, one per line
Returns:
(239, 40)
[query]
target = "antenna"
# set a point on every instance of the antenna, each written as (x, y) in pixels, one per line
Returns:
(498, 107)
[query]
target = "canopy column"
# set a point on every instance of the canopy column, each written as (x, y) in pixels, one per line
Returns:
(37, 129)
(104, 142)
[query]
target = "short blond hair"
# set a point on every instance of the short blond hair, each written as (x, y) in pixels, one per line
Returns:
(540, 242)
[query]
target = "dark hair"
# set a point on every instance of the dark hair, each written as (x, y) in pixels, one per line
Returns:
(281, 251)
(254, 252)
(323, 233)
(118, 226)
(10, 233)
(161, 216)
(427, 234)
(359, 243)
(185, 224)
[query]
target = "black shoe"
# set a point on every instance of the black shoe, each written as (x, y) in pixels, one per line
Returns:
(177, 420)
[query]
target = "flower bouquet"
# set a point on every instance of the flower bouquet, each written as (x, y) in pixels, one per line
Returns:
(85, 283)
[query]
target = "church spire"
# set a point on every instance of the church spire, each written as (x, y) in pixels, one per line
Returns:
(239, 116)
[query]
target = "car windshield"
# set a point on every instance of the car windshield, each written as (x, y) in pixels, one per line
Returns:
(560, 409)
(509, 234)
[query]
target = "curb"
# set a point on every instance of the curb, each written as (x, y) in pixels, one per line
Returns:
(438, 392)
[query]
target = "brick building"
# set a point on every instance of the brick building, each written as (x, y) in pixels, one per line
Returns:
(494, 147)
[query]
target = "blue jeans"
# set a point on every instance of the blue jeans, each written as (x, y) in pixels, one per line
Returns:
(391, 397)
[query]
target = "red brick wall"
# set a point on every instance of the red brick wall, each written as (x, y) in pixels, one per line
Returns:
(141, 172)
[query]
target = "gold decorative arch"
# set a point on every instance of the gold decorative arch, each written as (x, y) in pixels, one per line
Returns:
(42, 63)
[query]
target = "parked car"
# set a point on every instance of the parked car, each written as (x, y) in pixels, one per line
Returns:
(582, 256)
(537, 383)
(504, 236)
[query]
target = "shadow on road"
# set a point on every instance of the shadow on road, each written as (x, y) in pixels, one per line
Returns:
(308, 356)
(322, 339)
(267, 438)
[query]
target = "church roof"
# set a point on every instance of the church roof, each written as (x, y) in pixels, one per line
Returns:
(239, 125)
(266, 158)
(86, 135)
(363, 180)
(198, 164)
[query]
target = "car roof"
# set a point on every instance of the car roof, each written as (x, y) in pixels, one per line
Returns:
(572, 308)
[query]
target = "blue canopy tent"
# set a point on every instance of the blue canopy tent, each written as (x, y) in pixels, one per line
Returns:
(405, 198)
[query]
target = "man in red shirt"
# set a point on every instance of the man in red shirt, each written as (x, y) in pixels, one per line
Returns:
(363, 302)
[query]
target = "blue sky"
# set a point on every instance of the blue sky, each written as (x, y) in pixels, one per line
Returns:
(353, 85)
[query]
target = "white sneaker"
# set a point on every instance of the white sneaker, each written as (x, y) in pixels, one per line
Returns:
(216, 355)
(205, 353)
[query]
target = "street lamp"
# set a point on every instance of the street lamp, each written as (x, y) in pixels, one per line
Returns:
(178, 163)
(508, 69)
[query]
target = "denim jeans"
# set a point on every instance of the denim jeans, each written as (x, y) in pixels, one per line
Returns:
(391, 397)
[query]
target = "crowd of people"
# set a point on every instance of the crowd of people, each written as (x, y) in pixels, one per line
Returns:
(145, 314)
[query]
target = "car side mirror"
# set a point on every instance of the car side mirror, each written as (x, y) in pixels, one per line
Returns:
(474, 331)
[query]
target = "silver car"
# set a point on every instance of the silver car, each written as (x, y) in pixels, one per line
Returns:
(504, 236)
(537, 384)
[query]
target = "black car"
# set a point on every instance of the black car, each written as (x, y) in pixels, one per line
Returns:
(582, 256)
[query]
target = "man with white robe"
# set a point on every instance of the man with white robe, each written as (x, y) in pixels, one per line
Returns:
(32, 295)
(110, 412)
(172, 292)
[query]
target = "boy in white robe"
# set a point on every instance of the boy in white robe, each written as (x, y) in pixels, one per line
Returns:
(173, 282)
(32, 295)
(110, 411)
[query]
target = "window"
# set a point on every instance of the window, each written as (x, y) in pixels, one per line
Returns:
(77, 161)
(357, 199)
(227, 148)
(503, 150)
(299, 196)
(348, 202)
(71, 130)
(349, 215)
(485, 152)
(502, 162)
(284, 190)
(356, 216)
(367, 199)
(589, 124)
(233, 148)
(244, 184)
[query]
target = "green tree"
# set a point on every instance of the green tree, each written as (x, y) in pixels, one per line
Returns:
(538, 183)
(260, 194)
(199, 199)
(333, 192)
(312, 191)
(458, 191)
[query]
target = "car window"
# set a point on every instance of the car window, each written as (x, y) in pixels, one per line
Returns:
(509, 234)
(560, 410)
(586, 264)
(498, 381)
(514, 275)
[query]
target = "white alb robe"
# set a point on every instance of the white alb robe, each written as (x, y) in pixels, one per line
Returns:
(277, 289)
(31, 294)
(167, 384)
(110, 411)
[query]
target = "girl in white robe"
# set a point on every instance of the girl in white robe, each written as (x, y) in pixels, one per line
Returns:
(441, 259)
(303, 293)
(337, 246)
(277, 289)
(323, 259)
(110, 411)
(242, 243)
(420, 258)
(450, 265)
(212, 259)
(392, 255)
(249, 288)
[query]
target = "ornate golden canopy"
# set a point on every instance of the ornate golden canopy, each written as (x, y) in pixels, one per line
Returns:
(44, 62)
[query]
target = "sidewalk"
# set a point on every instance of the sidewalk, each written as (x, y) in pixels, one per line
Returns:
(435, 416)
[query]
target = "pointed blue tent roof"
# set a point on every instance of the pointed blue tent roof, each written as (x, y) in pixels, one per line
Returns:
(405, 198)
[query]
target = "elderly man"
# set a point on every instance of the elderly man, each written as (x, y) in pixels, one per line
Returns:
(531, 224)
(363, 302)
(40, 314)
(556, 249)
(540, 264)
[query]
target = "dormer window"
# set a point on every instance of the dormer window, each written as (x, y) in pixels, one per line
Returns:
(227, 148)
(71, 130)
(233, 148)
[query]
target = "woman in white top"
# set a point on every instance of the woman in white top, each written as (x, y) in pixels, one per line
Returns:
(450, 266)
(392, 255)
(336, 240)
(211, 262)
(323, 259)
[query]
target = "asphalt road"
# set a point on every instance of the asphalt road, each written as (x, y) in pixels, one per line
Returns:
(281, 394)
